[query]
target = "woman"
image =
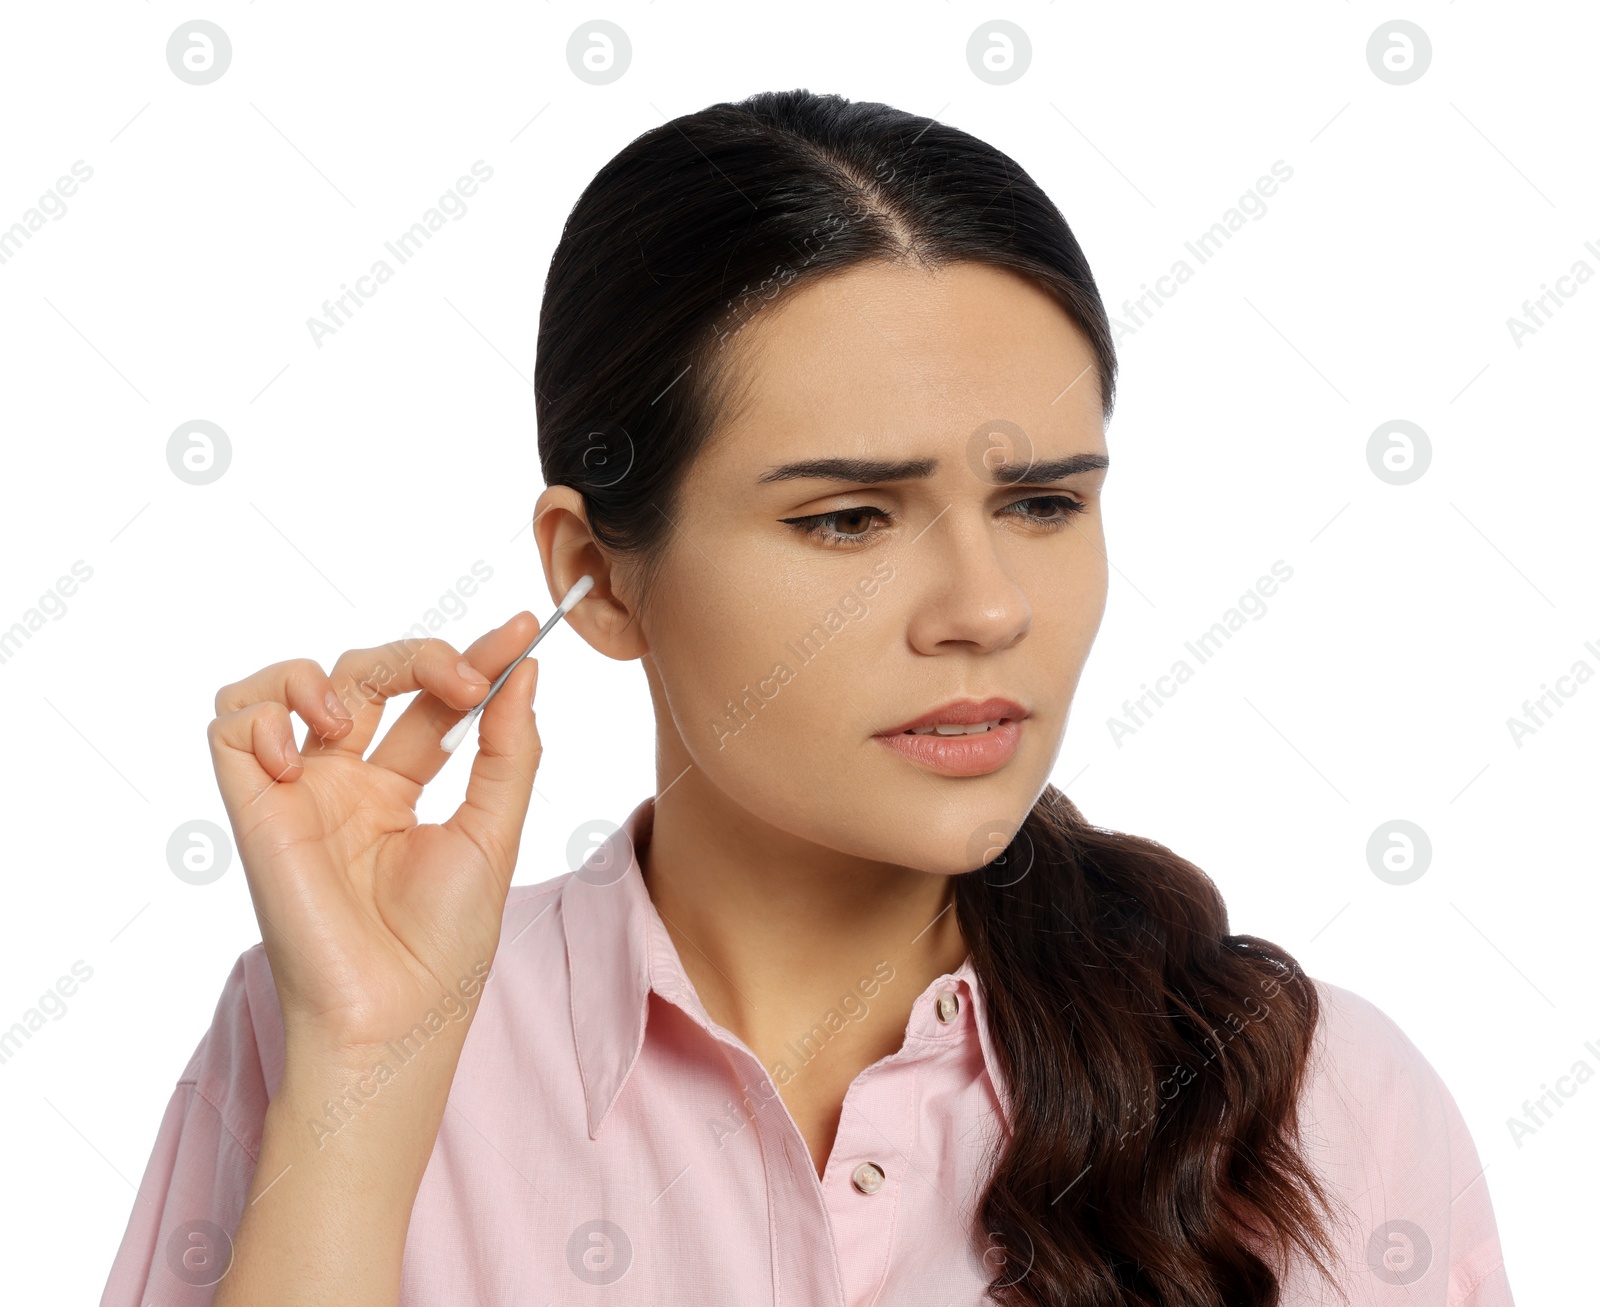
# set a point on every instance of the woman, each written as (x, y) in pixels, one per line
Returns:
(857, 1008)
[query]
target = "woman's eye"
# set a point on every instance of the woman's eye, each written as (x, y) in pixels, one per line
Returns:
(844, 526)
(1064, 505)
(820, 526)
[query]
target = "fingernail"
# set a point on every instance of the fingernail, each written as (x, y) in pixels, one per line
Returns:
(337, 708)
(471, 673)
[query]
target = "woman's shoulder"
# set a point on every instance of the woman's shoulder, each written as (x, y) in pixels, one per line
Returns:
(1390, 1143)
(1360, 1046)
(1371, 1091)
(237, 1064)
(527, 905)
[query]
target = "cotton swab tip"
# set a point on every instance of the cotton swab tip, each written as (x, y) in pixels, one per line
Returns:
(581, 587)
(457, 733)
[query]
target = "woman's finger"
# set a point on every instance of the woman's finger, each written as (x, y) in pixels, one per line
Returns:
(411, 746)
(299, 684)
(364, 680)
(501, 783)
(291, 886)
(252, 749)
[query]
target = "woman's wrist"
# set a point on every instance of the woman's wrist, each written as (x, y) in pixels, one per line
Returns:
(356, 1092)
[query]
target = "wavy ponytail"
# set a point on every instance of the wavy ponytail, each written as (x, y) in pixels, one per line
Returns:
(1153, 1064)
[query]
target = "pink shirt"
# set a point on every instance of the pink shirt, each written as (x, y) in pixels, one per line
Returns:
(606, 1141)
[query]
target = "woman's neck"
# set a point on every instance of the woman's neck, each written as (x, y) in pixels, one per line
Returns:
(776, 933)
(811, 958)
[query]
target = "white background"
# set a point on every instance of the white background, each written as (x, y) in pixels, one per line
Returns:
(371, 473)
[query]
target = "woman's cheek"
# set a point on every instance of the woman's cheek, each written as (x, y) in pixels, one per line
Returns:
(733, 708)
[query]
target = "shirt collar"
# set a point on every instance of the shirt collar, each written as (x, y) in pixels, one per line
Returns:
(619, 952)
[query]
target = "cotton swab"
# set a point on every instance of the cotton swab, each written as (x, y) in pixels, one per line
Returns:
(569, 601)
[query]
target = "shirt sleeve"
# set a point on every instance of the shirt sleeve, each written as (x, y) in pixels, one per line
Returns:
(179, 1239)
(1390, 1143)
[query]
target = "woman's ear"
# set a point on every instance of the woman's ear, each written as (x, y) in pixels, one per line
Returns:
(605, 617)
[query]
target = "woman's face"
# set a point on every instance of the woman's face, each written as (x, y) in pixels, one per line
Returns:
(802, 614)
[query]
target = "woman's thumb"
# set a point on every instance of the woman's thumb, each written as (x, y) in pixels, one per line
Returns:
(501, 784)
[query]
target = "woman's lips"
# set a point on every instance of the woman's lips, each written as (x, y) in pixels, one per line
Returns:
(959, 755)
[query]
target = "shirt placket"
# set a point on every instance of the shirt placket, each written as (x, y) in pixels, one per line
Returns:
(867, 1174)
(832, 1236)
(805, 1265)
(871, 1171)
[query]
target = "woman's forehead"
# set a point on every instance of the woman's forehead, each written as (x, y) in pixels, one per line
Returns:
(900, 361)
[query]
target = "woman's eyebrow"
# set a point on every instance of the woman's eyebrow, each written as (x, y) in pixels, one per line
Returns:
(866, 471)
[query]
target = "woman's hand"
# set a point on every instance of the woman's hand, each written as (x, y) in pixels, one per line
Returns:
(369, 918)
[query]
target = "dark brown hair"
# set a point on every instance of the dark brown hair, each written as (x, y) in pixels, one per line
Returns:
(1153, 1060)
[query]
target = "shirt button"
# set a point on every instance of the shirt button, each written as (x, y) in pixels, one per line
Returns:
(947, 1006)
(867, 1177)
